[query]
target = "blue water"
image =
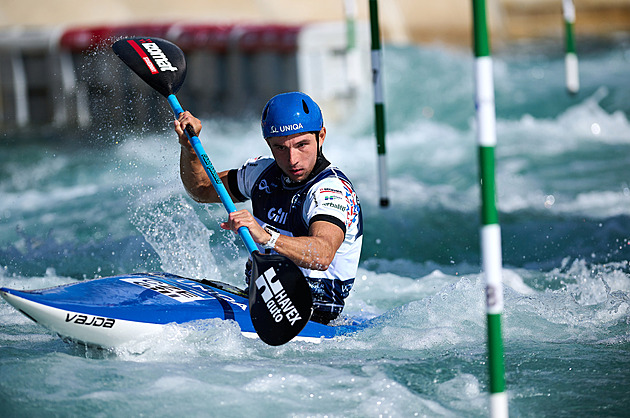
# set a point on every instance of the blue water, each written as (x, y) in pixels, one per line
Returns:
(110, 203)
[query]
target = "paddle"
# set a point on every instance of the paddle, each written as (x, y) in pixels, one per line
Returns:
(280, 299)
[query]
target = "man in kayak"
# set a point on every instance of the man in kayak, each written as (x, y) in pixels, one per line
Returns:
(303, 207)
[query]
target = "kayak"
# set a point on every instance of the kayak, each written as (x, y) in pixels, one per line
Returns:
(112, 311)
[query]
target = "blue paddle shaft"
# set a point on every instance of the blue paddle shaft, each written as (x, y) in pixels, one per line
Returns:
(246, 236)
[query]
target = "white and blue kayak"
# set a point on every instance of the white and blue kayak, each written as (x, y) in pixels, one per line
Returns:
(112, 311)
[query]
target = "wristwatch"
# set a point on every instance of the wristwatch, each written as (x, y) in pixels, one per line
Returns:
(271, 244)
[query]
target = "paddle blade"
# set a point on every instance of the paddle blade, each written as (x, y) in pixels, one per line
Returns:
(280, 300)
(160, 63)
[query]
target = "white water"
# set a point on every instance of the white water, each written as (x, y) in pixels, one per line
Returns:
(563, 181)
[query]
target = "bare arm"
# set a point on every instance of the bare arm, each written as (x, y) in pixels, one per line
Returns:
(315, 251)
(192, 173)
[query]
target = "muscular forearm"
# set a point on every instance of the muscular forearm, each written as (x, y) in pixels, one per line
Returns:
(313, 253)
(192, 173)
(194, 177)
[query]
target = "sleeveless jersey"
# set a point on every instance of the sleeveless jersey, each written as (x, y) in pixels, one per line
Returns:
(290, 208)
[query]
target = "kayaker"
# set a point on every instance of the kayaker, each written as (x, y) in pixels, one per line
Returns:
(303, 207)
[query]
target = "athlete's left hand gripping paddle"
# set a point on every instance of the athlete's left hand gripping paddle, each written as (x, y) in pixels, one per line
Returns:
(280, 300)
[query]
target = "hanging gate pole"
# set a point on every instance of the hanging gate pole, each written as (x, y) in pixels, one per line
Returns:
(379, 107)
(490, 231)
(353, 58)
(570, 57)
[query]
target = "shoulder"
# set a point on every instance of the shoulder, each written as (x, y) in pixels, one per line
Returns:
(253, 167)
(333, 182)
(334, 195)
(261, 161)
(250, 171)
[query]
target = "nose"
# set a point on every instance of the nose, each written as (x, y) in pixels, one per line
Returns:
(292, 156)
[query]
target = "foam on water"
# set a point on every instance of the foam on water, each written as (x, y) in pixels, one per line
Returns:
(444, 326)
(562, 181)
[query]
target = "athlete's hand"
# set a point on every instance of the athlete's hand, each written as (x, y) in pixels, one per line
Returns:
(186, 118)
(244, 218)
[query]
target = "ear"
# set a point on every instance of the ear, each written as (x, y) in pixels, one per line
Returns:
(322, 136)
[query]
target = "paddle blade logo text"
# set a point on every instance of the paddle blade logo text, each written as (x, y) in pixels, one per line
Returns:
(156, 53)
(276, 299)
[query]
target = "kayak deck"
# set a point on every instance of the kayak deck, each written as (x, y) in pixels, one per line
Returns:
(111, 311)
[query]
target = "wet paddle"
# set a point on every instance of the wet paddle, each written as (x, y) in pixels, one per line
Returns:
(280, 299)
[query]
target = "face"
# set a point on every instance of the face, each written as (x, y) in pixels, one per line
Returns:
(296, 154)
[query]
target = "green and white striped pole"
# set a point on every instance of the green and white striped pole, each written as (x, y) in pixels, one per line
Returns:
(570, 57)
(490, 230)
(379, 107)
(353, 58)
(350, 8)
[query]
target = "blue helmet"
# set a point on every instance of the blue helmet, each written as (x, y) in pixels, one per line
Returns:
(290, 113)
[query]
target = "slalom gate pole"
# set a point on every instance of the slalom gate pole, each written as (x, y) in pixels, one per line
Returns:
(353, 58)
(379, 106)
(490, 231)
(350, 7)
(570, 57)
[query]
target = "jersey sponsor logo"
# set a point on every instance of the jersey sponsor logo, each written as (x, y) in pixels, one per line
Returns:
(264, 186)
(158, 56)
(336, 206)
(275, 297)
(89, 320)
(173, 292)
(334, 197)
(328, 190)
(325, 195)
(278, 216)
(285, 128)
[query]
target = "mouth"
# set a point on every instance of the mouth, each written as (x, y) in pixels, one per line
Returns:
(296, 172)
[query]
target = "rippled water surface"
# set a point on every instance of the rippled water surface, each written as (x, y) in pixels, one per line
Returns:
(71, 211)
